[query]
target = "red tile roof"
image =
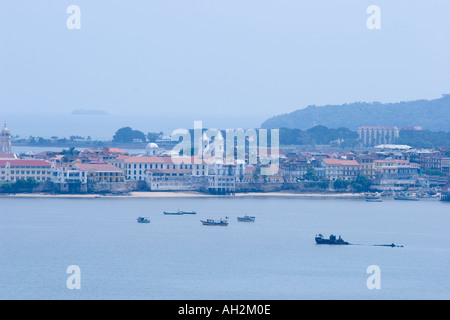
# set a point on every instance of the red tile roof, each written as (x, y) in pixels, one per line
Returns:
(97, 167)
(25, 163)
(116, 150)
(148, 160)
(122, 157)
(338, 162)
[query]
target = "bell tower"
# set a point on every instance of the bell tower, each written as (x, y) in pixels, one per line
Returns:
(5, 140)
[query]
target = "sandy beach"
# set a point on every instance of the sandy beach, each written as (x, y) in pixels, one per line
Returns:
(185, 194)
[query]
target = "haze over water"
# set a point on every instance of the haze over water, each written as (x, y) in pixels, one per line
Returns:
(175, 257)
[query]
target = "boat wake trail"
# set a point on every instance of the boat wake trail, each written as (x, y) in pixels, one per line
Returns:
(377, 245)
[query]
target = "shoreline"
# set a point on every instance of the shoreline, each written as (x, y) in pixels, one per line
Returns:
(187, 194)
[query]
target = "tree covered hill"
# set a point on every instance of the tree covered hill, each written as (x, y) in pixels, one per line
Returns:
(429, 114)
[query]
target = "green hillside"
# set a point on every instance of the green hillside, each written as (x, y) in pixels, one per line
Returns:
(430, 114)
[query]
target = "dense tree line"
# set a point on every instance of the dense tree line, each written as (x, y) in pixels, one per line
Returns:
(128, 135)
(361, 184)
(424, 138)
(318, 135)
(19, 186)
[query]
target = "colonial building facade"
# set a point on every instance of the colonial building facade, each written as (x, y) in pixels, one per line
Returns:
(18, 169)
(336, 169)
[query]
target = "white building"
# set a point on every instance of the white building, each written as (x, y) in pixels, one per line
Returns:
(152, 150)
(373, 136)
(335, 169)
(395, 174)
(136, 167)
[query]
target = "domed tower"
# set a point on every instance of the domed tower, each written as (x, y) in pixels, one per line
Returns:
(152, 149)
(5, 140)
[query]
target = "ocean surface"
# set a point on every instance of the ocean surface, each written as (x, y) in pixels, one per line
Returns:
(175, 257)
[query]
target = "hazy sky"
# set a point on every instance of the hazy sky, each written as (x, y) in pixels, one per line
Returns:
(219, 57)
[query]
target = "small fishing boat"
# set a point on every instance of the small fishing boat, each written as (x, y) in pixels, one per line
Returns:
(178, 213)
(189, 212)
(406, 196)
(143, 220)
(373, 197)
(246, 219)
(211, 222)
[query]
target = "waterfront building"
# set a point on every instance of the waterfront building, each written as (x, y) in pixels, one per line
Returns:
(19, 169)
(163, 174)
(101, 173)
(373, 136)
(68, 174)
(435, 162)
(119, 162)
(445, 166)
(445, 195)
(295, 169)
(334, 169)
(5, 140)
(174, 180)
(367, 162)
(250, 174)
(68, 178)
(395, 175)
(222, 177)
(104, 154)
(136, 167)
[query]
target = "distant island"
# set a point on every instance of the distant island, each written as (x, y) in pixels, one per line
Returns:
(429, 114)
(89, 112)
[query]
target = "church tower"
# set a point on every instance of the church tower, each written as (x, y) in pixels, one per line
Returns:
(5, 140)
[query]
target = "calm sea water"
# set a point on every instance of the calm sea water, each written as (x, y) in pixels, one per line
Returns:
(175, 257)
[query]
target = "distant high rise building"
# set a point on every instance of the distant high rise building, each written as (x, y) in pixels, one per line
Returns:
(5, 140)
(412, 128)
(373, 136)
